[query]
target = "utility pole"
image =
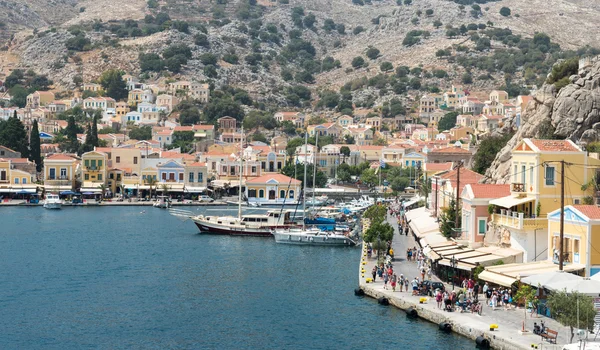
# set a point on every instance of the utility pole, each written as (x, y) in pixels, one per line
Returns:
(457, 219)
(436, 198)
(562, 213)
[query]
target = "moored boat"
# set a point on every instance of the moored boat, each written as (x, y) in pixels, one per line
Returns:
(52, 201)
(312, 237)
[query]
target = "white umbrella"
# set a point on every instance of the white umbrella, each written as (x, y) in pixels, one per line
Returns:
(584, 286)
(550, 277)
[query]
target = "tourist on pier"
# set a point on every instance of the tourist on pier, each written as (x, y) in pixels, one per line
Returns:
(438, 298)
(429, 273)
(408, 254)
(385, 279)
(415, 286)
(471, 285)
(374, 273)
(476, 292)
(486, 287)
(422, 273)
(393, 282)
(406, 284)
(380, 271)
(494, 299)
(401, 281)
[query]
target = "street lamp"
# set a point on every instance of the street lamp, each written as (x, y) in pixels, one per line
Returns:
(453, 265)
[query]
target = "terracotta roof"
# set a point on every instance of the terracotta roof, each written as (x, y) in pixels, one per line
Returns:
(197, 164)
(490, 190)
(103, 149)
(58, 156)
(9, 149)
(277, 177)
(203, 127)
(554, 145)
(183, 128)
(18, 160)
(451, 150)
(591, 211)
(438, 166)
(466, 177)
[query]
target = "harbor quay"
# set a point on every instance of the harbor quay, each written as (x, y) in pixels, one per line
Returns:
(507, 336)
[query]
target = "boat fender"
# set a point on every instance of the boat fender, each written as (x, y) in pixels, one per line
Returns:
(359, 292)
(482, 342)
(445, 326)
(411, 312)
(383, 301)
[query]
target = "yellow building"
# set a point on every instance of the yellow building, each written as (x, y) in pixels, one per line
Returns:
(519, 220)
(273, 189)
(14, 180)
(94, 171)
(581, 236)
(59, 172)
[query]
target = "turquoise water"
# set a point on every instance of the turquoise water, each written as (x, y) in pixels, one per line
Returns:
(120, 278)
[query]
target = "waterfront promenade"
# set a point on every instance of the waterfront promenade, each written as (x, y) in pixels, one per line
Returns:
(509, 322)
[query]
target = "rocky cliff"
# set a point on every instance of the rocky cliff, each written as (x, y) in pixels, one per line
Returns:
(572, 113)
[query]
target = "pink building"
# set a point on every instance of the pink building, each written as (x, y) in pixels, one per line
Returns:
(475, 217)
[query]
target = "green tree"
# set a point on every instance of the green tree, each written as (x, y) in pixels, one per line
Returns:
(487, 151)
(368, 177)
(113, 84)
(221, 107)
(448, 220)
(19, 96)
(35, 146)
(349, 139)
(505, 11)
(183, 140)
(572, 310)
(376, 213)
(373, 52)
(386, 66)
(140, 133)
(298, 170)
(379, 230)
(358, 62)
(14, 136)
(345, 151)
(448, 121)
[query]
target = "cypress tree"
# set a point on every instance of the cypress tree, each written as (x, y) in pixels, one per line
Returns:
(71, 133)
(95, 141)
(14, 136)
(35, 147)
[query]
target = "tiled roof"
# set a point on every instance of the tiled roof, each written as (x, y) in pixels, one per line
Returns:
(490, 190)
(450, 150)
(554, 145)
(58, 156)
(466, 177)
(183, 128)
(282, 179)
(591, 211)
(203, 127)
(197, 164)
(438, 166)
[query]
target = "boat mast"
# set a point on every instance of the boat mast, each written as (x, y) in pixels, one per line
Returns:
(241, 172)
(304, 180)
(315, 152)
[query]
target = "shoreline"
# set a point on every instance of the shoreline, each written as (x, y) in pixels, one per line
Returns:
(506, 337)
(115, 204)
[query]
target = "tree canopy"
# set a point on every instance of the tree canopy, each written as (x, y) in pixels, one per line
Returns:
(572, 310)
(113, 84)
(448, 121)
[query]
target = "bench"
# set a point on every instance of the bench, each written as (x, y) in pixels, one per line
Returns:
(550, 335)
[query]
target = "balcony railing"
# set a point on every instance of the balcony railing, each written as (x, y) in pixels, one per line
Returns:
(518, 187)
(58, 178)
(518, 220)
(92, 168)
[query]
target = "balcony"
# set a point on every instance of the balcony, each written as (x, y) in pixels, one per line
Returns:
(91, 168)
(518, 187)
(58, 178)
(518, 221)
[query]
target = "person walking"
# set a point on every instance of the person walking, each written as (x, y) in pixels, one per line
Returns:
(429, 273)
(393, 282)
(438, 298)
(385, 279)
(406, 284)
(415, 286)
(494, 299)
(374, 273)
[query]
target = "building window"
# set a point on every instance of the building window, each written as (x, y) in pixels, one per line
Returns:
(531, 175)
(261, 194)
(523, 174)
(135, 160)
(99, 163)
(100, 177)
(252, 193)
(282, 194)
(253, 170)
(87, 163)
(16, 180)
(481, 226)
(549, 175)
(118, 159)
(93, 163)
(3, 175)
(86, 176)
(191, 177)
(515, 174)
(224, 169)
(291, 194)
(24, 181)
(111, 176)
(180, 176)
(263, 165)
(278, 165)
(200, 177)
(63, 173)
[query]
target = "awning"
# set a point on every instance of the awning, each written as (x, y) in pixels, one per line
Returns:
(433, 238)
(23, 190)
(57, 188)
(141, 187)
(510, 201)
(90, 190)
(496, 278)
(483, 260)
(459, 265)
(194, 189)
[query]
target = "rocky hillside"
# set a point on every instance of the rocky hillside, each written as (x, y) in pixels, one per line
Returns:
(572, 113)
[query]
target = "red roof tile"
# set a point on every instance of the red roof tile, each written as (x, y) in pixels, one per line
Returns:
(450, 150)
(490, 190)
(591, 211)
(554, 145)
(438, 166)
(282, 179)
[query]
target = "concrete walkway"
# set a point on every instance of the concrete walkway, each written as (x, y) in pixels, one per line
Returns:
(509, 322)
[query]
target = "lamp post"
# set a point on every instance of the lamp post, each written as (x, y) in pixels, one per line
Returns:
(453, 264)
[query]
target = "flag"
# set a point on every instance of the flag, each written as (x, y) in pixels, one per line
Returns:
(382, 163)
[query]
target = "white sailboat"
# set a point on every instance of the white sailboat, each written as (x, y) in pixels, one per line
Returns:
(243, 225)
(311, 236)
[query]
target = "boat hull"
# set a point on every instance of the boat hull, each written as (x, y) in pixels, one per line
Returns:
(317, 240)
(53, 205)
(232, 231)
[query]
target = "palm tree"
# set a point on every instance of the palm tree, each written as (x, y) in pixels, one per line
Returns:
(102, 190)
(150, 181)
(165, 189)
